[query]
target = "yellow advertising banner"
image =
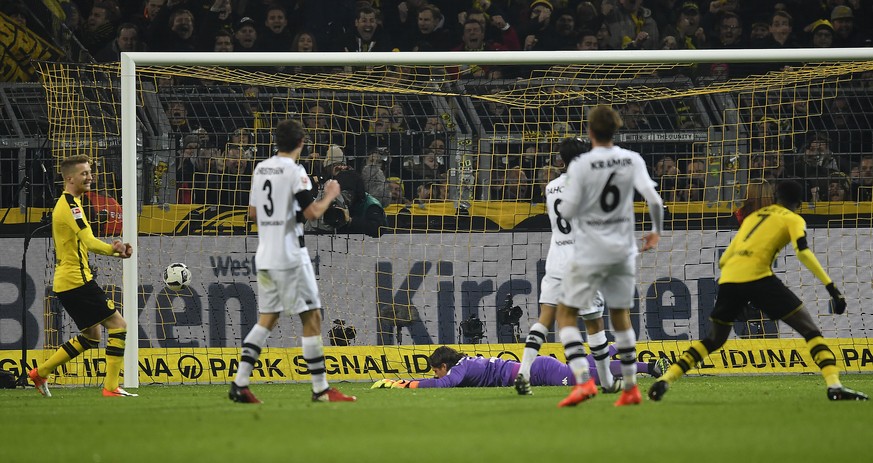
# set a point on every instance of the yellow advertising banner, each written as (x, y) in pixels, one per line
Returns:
(369, 363)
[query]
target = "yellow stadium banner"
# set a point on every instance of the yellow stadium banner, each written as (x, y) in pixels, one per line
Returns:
(20, 48)
(370, 363)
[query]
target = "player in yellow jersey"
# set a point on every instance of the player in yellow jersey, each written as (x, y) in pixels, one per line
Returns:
(747, 276)
(74, 284)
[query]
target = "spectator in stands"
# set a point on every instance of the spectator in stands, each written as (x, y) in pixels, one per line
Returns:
(845, 32)
(587, 41)
(398, 118)
(729, 36)
(838, 190)
(246, 35)
(562, 35)
(319, 129)
(430, 35)
(367, 35)
(545, 175)
(539, 24)
(177, 34)
(188, 161)
(759, 194)
(365, 213)
(276, 36)
(631, 26)
(666, 173)
(862, 184)
(695, 184)
(587, 17)
(396, 193)
(473, 39)
(434, 125)
(222, 42)
(686, 29)
(497, 29)
(516, 186)
(766, 134)
(100, 27)
(604, 37)
(759, 32)
(768, 166)
(822, 34)
(306, 42)
(781, 33)
(236, 177)
(373, 174)
(430, 192)
(177, 113)
(842, 120)
(150, 11)
(206, 186)
(126, 40)
(428, 167)
(634, 116)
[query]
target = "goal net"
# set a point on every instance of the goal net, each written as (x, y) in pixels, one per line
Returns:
(458, 148)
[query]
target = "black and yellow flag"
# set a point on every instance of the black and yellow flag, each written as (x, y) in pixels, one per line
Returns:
(19, 48)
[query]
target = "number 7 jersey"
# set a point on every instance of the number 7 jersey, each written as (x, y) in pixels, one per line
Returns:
(599, 200)
(276, 182)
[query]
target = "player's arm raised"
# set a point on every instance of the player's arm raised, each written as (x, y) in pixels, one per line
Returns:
(797, 231)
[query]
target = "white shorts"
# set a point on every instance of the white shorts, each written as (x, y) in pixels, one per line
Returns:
(291, 290)
(616, 281)
(550, 294)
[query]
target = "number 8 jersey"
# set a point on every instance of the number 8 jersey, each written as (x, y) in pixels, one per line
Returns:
(561, 245)
(280, 193)
(599, 202)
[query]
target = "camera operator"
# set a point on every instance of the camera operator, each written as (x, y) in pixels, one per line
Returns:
(354, 211)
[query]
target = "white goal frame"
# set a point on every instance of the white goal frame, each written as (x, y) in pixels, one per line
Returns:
(130, 61)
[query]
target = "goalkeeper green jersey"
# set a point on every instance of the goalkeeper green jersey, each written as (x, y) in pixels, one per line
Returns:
(73, 239)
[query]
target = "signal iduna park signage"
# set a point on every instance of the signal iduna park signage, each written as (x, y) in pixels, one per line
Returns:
(406, 294)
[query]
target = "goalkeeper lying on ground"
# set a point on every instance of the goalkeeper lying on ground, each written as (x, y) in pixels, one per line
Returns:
(454, 369)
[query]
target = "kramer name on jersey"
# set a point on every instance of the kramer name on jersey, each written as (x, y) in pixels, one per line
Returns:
(606, 163)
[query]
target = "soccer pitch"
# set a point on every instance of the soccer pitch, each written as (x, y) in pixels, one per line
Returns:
(713, 419)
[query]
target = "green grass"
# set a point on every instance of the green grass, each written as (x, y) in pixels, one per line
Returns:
(701, 419)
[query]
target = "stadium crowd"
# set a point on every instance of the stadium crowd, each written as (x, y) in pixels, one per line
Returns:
(217, 173)
(106, 27)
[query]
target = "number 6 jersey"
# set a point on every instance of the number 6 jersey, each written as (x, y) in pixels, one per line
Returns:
(599, 200)
(280, 193)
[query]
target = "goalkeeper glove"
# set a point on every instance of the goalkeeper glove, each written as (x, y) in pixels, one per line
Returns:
(390, 384)
(838, 299)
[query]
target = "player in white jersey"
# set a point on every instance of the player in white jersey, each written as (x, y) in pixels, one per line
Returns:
(281, 201)
(599, 204)
(557, 262)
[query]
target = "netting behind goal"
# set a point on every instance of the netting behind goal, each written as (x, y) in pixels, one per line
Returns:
(459, 156)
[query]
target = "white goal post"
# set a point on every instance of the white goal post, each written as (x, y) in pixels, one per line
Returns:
(130, 62)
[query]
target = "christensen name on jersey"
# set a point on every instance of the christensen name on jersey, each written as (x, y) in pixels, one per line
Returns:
(270, 170)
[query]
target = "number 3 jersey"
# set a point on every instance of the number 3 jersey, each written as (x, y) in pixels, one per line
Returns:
(280, 186)
(599, 198)
(561, 246)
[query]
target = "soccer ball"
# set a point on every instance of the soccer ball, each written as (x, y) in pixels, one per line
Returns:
(177, 276)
